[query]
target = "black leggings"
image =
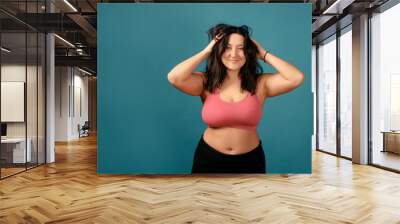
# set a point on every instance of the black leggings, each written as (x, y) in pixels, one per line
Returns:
(209, 160)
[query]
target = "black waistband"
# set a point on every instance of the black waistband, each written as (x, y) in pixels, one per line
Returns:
(253, 151)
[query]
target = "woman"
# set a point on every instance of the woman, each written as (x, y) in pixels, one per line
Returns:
(233, 90)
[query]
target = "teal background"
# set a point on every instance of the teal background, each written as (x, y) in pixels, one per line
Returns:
(147, 126)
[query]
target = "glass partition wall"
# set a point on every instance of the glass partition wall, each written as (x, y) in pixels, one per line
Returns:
(22, 88)
(385, 89)
(13, 90)
(334, 88)
(334, 94)
(326, 76)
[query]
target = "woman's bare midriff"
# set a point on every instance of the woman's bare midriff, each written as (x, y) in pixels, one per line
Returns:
(231, 141)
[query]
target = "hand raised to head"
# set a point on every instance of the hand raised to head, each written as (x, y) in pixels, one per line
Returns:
(261, 50)
(210, 46)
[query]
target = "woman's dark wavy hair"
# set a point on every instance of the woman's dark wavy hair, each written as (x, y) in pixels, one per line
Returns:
(216, 70)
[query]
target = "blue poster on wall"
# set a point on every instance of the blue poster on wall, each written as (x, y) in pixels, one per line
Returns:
(204, 88)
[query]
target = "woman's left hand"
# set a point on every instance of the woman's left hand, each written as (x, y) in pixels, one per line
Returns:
(261, 50)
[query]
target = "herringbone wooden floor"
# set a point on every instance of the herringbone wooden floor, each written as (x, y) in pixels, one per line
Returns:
(70, 191)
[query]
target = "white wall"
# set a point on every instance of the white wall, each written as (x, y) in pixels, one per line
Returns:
(81, 85)
(71, 94)
(10, 73)
(15, 72)
(61, 103)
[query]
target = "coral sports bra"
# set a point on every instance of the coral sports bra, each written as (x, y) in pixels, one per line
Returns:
(245, 114)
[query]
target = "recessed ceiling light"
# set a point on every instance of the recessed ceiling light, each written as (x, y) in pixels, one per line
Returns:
(64, 40)
(5, 49)
(70, 5)
(86, 72)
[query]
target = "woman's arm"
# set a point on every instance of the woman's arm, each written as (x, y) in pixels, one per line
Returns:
(183, 77)
(287, 78)
(184, 70)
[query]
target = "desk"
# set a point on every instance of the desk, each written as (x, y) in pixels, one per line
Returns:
(391, 141)
(16, 147)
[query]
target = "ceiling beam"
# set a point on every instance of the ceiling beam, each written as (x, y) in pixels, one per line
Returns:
(332, 11)
(337, 7)
(83, 61)
(84, 24)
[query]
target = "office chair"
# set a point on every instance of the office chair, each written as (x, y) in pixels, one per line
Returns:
(84, 130)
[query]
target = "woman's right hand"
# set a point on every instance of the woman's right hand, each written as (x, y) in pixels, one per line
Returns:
(210, 46)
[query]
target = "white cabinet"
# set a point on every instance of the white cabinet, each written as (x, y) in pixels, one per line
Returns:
(18, 149)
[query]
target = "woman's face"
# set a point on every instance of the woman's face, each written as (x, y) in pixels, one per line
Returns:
(233, 56)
